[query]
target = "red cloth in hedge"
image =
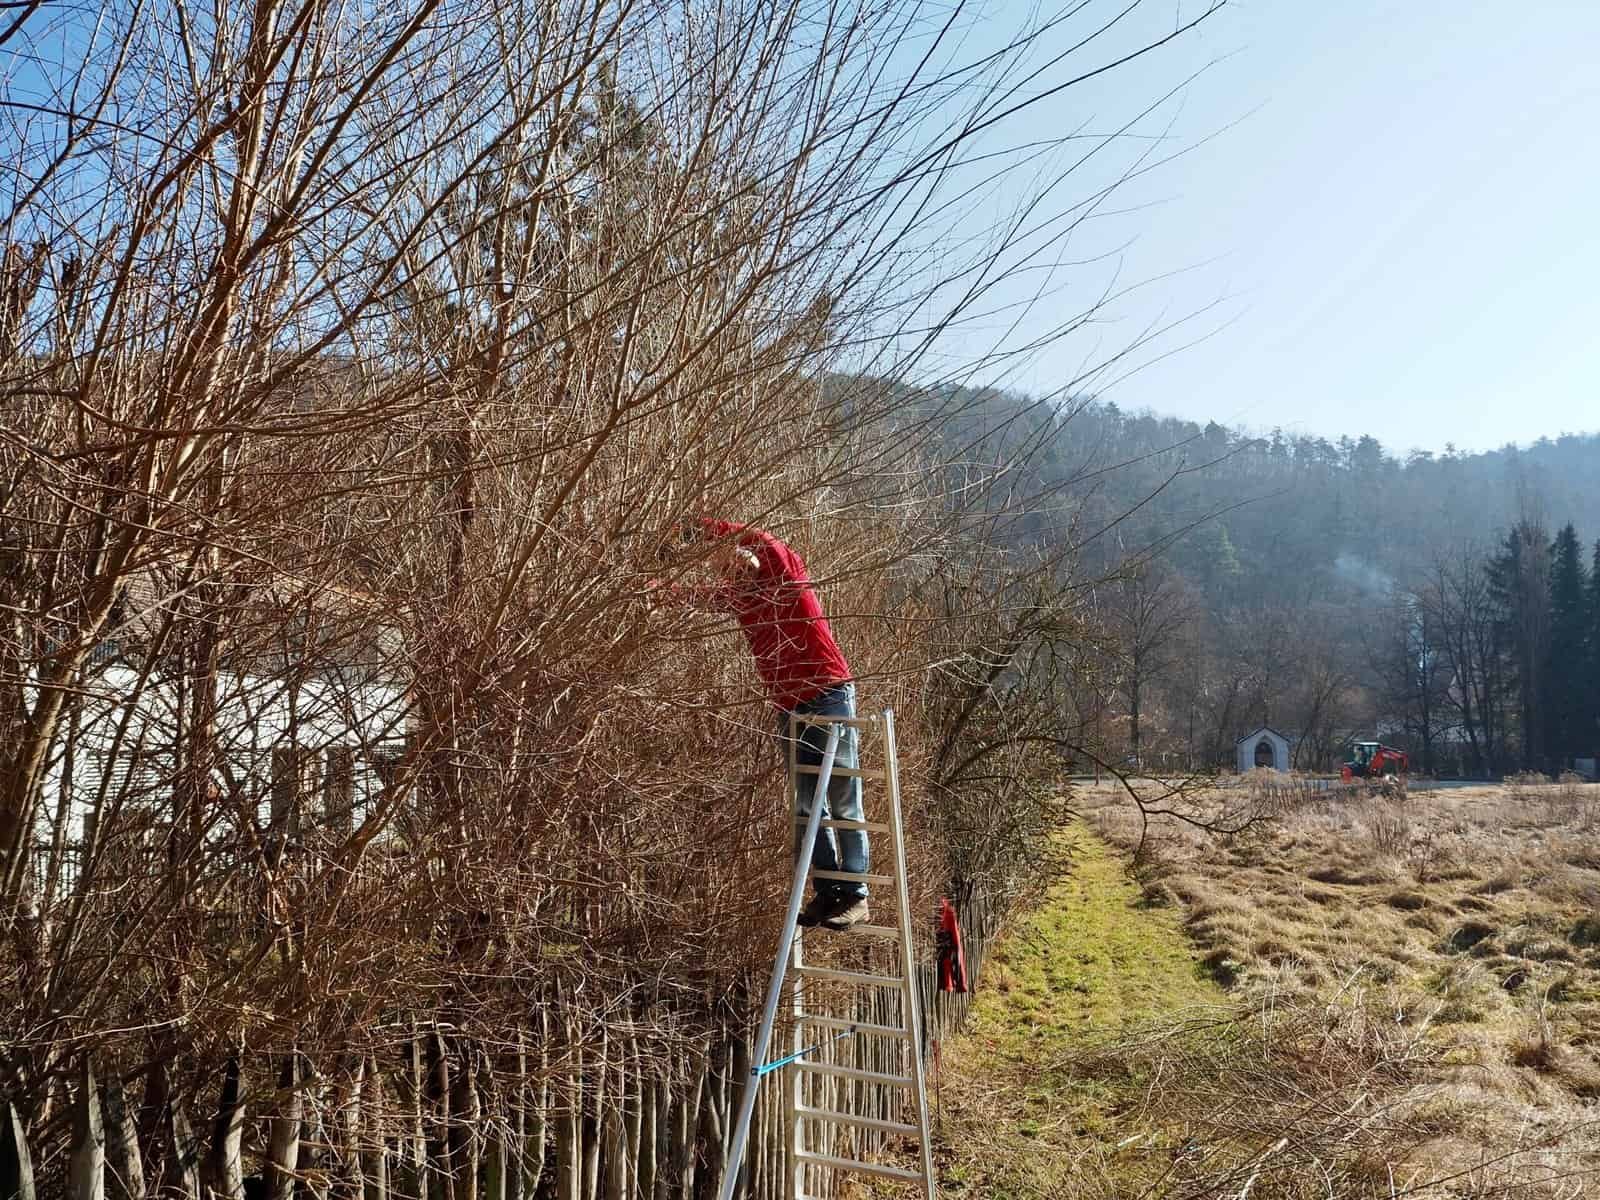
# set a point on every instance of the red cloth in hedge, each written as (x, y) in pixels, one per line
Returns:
(952, 957)
(782, 619)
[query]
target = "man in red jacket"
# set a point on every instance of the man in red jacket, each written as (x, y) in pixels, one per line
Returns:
(764, 583)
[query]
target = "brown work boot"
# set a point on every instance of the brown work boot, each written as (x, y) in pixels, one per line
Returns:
(815, 910)
(845, 912)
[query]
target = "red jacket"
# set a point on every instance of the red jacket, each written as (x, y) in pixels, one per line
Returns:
(952, 958)
(782, 619)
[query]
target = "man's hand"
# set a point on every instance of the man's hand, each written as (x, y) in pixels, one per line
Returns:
(734, 561)
(734, 567)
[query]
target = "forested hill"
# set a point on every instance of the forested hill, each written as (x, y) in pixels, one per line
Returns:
(1274, 517)
(1255, 578)
(1344, 513)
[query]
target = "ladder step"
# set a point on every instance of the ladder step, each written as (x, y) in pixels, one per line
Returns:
(859, 977)
(851, 722)
(839, 1118)
(854, 877)
(846, 772)
(852, 1073)
(869, 826)
(880, 931)
(859, 1026)
(853, 1164)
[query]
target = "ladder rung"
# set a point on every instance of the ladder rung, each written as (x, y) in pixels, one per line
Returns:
(858, 1026)
(860, 977)
(847, 772)
(882, 931)
(854, 877)
(839, 1118)
(870, 826)
(853, 1164)
(852, 1073)
(852, 722)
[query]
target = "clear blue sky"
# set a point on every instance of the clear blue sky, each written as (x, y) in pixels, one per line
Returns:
(1395, 220)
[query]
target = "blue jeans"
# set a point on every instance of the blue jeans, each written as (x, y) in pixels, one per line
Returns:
(836, 850)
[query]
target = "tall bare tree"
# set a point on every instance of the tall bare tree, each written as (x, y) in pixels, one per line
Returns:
(1459, 599)
(1148, 610)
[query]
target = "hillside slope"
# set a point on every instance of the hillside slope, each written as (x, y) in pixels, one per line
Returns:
(1246, 579)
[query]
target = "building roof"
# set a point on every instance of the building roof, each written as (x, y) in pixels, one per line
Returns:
(1259, 732)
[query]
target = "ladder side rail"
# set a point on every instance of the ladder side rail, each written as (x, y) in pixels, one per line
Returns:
(795, 1177)
(794, 1172)
(910, 1002)
(758, 1052)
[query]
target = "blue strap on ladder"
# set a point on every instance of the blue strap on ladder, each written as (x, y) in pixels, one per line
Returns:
(767, 1068)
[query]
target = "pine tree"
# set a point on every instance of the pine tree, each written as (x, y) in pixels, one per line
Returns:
(1519, 585)
(1565, 678)
(1589, 735)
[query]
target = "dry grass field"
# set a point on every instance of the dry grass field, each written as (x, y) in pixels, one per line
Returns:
(1357, 996)
(1467, 919)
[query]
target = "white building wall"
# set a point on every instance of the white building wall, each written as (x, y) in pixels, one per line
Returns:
(122, 749)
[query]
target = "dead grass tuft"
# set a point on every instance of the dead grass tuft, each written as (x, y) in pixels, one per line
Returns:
(1587, 857)
(1532, 1053)
(1157, 893)
(1274, 951)
(1586, 932)
(1429, 921)
(1388, 828)
(1469, 934)
(1514, 979)
(1537, 949)
(1224, 967)
(1571, 987)
(1345, 875)
(1503, 882)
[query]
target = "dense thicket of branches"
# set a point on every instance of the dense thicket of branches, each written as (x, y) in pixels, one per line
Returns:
(356, 365)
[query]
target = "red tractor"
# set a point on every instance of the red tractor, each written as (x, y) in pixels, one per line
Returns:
(1374, 760)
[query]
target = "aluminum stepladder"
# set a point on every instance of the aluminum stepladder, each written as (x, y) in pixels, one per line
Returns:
(815, 1127)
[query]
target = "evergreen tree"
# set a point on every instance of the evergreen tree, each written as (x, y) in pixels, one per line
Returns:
(1519, 584)
(1566, 676)
(1589, 734)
